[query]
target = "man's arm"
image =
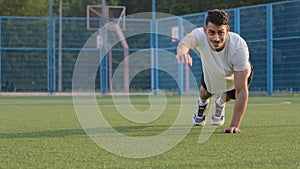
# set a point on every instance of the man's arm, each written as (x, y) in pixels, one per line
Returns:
(241, 94)
(183, 49)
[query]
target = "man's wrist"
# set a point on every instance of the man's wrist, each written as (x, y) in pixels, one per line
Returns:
(235, 125)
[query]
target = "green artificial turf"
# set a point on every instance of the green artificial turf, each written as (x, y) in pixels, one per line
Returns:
(44, 132)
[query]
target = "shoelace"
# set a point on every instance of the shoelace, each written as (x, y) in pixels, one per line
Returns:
(201, 110)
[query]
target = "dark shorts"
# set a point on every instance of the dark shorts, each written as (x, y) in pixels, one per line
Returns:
(230, 93)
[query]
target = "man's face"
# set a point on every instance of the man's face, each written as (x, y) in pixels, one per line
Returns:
(216, 35)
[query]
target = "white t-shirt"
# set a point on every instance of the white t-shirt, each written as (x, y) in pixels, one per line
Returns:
(218, 67)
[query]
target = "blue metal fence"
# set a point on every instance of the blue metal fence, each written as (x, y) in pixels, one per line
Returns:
(29, 51)
(23, 54)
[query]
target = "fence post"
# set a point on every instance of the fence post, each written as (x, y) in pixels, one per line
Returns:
(154, 57)
(51, 68)
(269, 49)
(50, 51)
(60, 48)
(156, 75)
(180, 65)
(154, 46)
(53, 58)
(237, 21)
(0, 53)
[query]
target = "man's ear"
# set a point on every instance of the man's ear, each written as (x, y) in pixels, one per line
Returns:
(204, 28)
(228, 28)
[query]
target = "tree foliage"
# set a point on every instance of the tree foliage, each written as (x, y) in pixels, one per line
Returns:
(77, 8)
(24, 7)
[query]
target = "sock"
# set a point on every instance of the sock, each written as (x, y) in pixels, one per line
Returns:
(202, 102)
(219, 101)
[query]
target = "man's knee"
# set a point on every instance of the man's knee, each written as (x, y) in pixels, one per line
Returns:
(204, 94)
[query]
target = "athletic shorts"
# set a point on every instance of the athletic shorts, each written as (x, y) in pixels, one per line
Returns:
(230, 93)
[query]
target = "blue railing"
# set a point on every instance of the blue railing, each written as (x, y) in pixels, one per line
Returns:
(29, 51)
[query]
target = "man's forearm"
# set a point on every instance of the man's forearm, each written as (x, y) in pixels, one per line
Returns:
(187, 43)
(239, 108)
(182, 49)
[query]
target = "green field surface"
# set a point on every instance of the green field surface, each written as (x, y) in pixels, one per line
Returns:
(44, 132)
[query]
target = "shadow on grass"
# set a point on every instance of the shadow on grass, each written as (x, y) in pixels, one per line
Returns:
(144, 130)
(42, 134)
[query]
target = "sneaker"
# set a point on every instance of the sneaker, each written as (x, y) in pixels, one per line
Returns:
(199, 115)
(218, 118)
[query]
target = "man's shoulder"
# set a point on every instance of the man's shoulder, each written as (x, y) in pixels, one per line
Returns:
(235, 35)
(236, 39)
(199, 30)
(198, 33)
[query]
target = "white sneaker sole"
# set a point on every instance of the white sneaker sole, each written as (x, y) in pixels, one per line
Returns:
(218, 123)
(200, 124)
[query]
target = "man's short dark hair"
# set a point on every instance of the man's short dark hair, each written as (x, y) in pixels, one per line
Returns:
(217, 17)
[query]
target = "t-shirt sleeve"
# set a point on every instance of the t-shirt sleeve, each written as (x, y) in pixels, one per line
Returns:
(240, 59)
(189, 41)
(194, 39)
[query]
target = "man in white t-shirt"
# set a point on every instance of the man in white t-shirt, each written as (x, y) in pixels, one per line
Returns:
(226, 69)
